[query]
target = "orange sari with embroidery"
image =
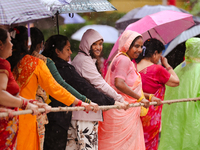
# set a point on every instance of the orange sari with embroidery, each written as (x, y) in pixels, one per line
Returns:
(30, 73)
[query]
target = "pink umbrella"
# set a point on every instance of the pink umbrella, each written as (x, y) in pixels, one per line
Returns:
(164, 26)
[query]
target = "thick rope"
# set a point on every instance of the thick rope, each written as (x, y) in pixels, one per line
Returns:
(59, 109)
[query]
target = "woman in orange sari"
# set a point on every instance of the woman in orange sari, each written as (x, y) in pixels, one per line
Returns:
(30, 72)
(122, 130)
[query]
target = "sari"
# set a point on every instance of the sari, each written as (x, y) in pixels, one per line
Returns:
(122, 130)
(9, 127)
(154, 78)
(30, 72)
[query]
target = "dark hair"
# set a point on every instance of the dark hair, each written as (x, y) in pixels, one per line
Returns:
(20, 47)
(36, 38)
(3, 35)
(98, 62)
(53, 42)
(151, 45)
(132, 44)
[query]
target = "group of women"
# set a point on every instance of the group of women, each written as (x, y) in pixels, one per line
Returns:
(29, 80)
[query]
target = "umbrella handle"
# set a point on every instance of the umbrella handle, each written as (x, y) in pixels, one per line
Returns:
(57, 22)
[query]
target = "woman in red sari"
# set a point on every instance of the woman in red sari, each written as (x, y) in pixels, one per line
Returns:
(9, 99)
(154, 79)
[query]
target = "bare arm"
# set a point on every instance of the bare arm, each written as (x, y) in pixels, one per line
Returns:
(7, 99)
(123, 87)
(173, 80)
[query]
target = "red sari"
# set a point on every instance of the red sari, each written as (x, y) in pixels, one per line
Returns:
(8, 127)
(154, 78)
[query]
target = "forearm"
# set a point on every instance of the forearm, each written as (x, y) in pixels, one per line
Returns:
(8, 100)
(124, 88)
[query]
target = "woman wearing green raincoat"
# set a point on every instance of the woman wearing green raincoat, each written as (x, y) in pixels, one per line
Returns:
(181, 121)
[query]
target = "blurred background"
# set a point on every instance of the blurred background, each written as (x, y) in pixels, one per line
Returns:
(110, 18)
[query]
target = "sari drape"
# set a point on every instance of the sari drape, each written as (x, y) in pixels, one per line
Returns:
(122, 129)
(154, 78)
(8, 127)
(152, 121)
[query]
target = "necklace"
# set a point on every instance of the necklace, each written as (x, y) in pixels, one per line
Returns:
(126, 55)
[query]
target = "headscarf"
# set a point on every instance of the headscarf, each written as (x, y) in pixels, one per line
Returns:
(88, 38)
(125, 41)
(192, 53)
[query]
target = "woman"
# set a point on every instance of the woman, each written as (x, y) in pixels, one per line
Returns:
(60, 54)
(9, 99)
(30, 71)
(181, 121)
(123, 129)
(86, 65)
(56, 124)
(154, 79)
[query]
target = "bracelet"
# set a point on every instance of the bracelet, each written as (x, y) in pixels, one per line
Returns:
(79, 103)
(32, 101)
(168, 68)
(141, 98)
(150, 97)
(87, 100)
(24, 104)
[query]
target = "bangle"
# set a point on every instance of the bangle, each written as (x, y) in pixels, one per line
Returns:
(168, 68)
(79, 103)
(140, 98)
(24, 104)
(87, 100)
(150, 97)
(32, 101)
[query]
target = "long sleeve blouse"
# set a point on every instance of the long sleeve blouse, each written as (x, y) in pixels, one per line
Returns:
(86, 67)
(50, 64)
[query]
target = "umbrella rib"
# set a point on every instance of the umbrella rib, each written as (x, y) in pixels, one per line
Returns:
(149, 34)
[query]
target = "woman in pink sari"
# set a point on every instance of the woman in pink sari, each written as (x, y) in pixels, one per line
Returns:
(154, 79)
(122, 130)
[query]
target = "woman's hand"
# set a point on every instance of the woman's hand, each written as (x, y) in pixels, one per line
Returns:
(124, 105)
(158, 100)
(164, 61)
(95, 107)
(145, 102)
(43, 105)
(34, 108)
(87, 106)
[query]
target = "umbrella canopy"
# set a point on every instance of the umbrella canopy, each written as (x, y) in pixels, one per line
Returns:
(194, 31)
(78, 6)
(138, 13)
(109, 34)
(18, 11)
(164, 26)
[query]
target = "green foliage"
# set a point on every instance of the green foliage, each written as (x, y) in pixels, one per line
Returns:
(105, 18)
(193, 6)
